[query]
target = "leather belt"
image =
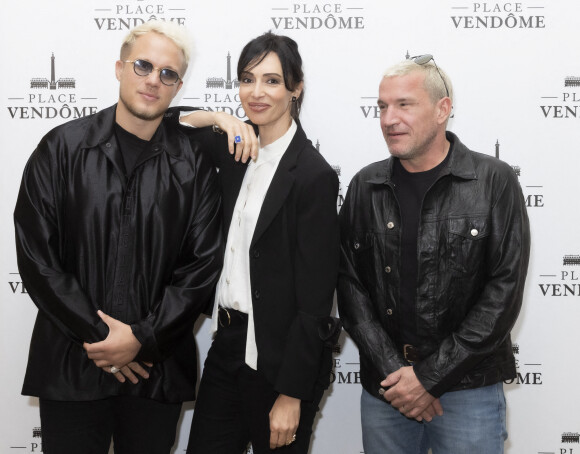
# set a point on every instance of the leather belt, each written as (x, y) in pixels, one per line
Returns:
(231, 317)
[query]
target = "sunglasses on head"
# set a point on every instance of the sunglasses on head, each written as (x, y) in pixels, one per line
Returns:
(423, 60)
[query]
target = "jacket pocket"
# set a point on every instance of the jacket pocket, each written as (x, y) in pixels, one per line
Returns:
(466, 243)
(361, 248)
(360, 244)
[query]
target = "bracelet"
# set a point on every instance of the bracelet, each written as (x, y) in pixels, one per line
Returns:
(215, 127)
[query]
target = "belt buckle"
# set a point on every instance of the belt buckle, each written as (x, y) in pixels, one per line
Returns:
(408, 351)
(229, 321)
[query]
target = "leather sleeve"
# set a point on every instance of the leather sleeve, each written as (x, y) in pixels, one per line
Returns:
(40, 247)
(194, 276)
(490, 319)
(356, 309)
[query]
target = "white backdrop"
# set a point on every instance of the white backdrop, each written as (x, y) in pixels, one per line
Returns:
(515, 70)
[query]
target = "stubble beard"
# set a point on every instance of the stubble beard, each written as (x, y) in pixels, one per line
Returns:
(414, 150)
(141, 115)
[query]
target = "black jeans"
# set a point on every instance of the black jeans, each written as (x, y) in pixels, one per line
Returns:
(136, 425)
(234, 402)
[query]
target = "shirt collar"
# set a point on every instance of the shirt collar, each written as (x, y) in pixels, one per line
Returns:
(277, 148)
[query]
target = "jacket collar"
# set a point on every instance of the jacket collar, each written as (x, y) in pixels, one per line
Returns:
(460, 164)
(281, 184)
(101, 131)
(288, 161)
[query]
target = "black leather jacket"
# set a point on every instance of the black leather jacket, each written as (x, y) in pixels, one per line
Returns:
(146, 249)
(473, 250)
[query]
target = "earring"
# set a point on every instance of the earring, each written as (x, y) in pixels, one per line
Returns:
(293, 98)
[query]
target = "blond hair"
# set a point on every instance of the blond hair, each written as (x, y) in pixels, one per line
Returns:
(434, 77)
(171, 30)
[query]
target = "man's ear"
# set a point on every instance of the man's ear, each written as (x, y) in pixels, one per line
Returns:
(118, 69)
(444, 107)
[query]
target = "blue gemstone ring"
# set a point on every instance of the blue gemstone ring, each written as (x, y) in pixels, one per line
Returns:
(238, 139)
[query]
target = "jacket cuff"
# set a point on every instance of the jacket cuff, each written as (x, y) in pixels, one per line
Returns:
(433, 387)
(146, 336)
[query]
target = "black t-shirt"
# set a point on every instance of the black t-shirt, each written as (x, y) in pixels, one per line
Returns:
(131, 147)
(410, 189)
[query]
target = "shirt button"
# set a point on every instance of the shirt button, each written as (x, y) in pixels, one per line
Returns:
(232, 249)
(389, 311)
(474, 232)
(256, 254)
(108, 145)
(387, 269)
(257, 294)
(390, 225)
(356, 245)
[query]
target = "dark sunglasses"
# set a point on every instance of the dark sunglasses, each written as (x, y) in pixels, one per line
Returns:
(144, 68)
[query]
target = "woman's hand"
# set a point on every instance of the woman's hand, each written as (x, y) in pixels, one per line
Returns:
(246, 147)
(284, 419)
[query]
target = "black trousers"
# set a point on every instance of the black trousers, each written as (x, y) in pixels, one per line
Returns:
(136, 425)
(234, 402)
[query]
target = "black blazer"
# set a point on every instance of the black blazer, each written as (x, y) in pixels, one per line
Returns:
(294, 256)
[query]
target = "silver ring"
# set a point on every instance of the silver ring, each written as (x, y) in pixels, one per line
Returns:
(114, 370)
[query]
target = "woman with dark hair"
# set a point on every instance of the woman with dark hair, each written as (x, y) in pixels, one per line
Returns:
(270, 360)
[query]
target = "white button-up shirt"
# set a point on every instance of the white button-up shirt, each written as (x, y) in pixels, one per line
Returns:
(234, 289)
